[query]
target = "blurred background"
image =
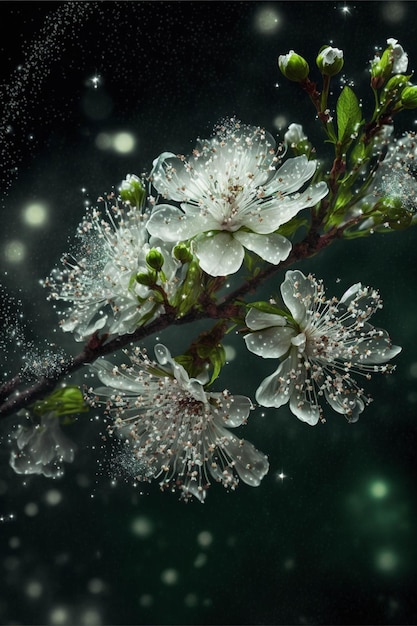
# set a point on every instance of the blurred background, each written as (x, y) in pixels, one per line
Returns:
(93, 91)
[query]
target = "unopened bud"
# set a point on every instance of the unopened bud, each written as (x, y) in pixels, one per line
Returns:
(155, 259)
(182, 252)
(409, 97)
(330, 60)
(293, 66)
(132, 191)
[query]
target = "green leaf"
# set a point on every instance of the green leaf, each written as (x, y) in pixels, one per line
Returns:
(349, 115)
(267, 307)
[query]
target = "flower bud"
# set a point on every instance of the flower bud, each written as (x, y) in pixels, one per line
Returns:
(293, 66)
(397, 82)
(155, 259)
(132, 190)
(399, 57)
(147, 279)
(393, 61)
(409, 97)
(294, 134)
(330, 60)
(182, 252)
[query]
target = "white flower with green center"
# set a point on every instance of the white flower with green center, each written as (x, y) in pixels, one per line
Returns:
(174, 429)
(232, 197)
(99, 277)
(321, 342)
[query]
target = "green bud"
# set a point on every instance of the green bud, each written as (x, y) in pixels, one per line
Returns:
(409, 97)
(132, 191)
(182, 253)
(398, 81)
(330, 60)
(394, 213)
(65, 401)
(147, 279)
(155, 259)
(293, 66)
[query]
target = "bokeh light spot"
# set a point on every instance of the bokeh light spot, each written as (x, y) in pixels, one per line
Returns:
(15, 251)
(169, 576)
(267, 20)
(35, 214)
(142, 527)
(124, 142)
(386, 560)
(378, 489)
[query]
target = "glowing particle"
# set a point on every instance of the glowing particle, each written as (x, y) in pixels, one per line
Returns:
(59, 615)
(378, 489)
(124, 142)
(53, 497)
(15, 251)
(31, 509)
(267, 20)
(386, 560)
(96, 585)
(35, 214)
(34, 589)
(142, 527)
(170, 576)
(146, 600)
(204, 539)
(90, 617)
(103, 141)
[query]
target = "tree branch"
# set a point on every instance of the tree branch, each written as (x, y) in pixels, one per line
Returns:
(98, 346)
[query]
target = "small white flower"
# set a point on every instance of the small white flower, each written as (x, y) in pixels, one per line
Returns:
(98, 279)
(322, 343)
(232, 198)
(174, 429)
(41, 448)
(294, 134)
(400, 57)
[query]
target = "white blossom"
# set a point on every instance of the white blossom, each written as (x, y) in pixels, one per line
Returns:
(321, 343)
(41, 448)
(174, 429)
(98, 279)
(400, 57)
(232, 197)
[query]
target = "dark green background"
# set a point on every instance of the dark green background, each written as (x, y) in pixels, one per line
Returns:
(314, 548)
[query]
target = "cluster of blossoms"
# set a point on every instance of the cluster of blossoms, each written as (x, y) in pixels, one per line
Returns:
(175, 430)
(237, 197)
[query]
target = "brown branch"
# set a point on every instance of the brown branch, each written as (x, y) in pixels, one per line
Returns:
(97, 346)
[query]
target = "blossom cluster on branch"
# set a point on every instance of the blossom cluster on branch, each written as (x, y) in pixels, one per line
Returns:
(163, 252)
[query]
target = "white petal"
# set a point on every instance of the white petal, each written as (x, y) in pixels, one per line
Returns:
(306, 410)
(169, 176)
(296, 290)
(292, 174)
(273, 248)
(257, 320)
(171, 224)
(235, 409)
(219, 254)
(250, 464)
(275, 390)
(270, 343)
